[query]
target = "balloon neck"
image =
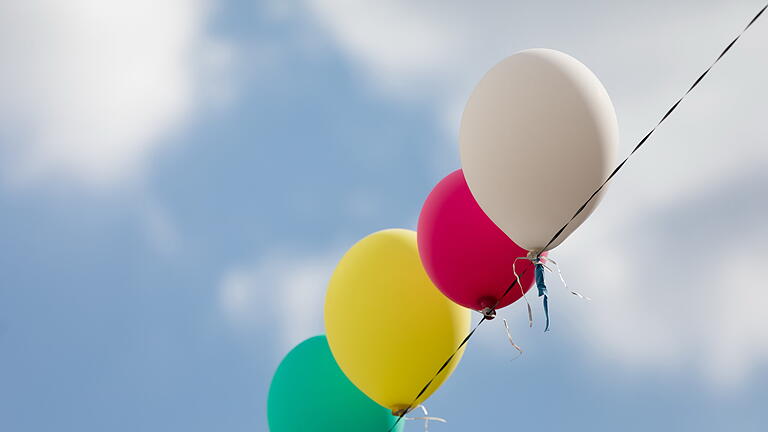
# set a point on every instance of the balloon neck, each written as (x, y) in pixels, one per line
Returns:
(534, 255)
(488, 313)
(488, 307)
(400, 411)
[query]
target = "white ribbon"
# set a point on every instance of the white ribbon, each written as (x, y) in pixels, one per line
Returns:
(522, 290)
(427, 418)
(544, 260)
(509, 336)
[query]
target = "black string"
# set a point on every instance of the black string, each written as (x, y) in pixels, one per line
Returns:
(645, 138)
(461, 345)
(640, 144)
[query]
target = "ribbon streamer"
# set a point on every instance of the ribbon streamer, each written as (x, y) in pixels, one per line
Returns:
(427, 418)
(509, 336)
(522, 290)
(542, 287)
(562, 279)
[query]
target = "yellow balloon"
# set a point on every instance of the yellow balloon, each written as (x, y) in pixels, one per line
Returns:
(388, 326)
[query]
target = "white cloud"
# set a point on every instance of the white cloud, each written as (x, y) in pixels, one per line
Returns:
(160, 229)
(92, 88)
(679, 290)
(436, 51)
(659, 302)
(396, 42)
(645, 67)
(284, 292)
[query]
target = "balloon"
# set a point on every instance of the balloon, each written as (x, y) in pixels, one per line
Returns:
(389, 328)
(310, 392)
(465, 254)
(538, 137)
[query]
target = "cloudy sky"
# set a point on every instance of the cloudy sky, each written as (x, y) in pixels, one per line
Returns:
(178, 179)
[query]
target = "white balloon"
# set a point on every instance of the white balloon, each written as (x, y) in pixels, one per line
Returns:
(538, 137)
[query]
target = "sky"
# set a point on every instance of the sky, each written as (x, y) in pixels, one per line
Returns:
(179, 178)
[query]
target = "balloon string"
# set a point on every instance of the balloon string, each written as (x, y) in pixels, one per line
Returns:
(509, 336)
(546, 260)
(429, 383)
(427, 418)
(484, 318)
(540, 264)
(648, 135)
(581, 209)
(522, 290)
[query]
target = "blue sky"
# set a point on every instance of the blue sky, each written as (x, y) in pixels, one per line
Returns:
(174, 198)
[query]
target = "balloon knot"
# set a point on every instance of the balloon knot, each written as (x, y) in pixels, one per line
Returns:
(489, 313)
(400, 412)
(534, 256)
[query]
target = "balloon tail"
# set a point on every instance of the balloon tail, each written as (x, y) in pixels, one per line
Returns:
(489, 313)
(542, 287)
(427, 418)
(522, 290)
(509, 336)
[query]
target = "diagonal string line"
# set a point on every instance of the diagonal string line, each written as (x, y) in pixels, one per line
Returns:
(648, 135)
(429, 383)
(560, 231)
(445, 364)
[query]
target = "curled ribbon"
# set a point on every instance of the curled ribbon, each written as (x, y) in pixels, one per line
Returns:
(427, 418)
(522, 290)
(540, 264)
(509, 336)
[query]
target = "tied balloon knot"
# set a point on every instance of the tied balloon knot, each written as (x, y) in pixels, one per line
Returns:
(401, 412)
(533, 256)
(489, 313)
(427, 418)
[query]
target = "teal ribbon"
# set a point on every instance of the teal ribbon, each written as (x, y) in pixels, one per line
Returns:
(542, 287)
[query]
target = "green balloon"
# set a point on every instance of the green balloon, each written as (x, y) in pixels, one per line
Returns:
(309, 392)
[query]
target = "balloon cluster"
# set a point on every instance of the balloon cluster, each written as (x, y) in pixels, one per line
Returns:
(538, 134)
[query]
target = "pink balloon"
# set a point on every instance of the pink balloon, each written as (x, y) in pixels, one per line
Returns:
(466, 255)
